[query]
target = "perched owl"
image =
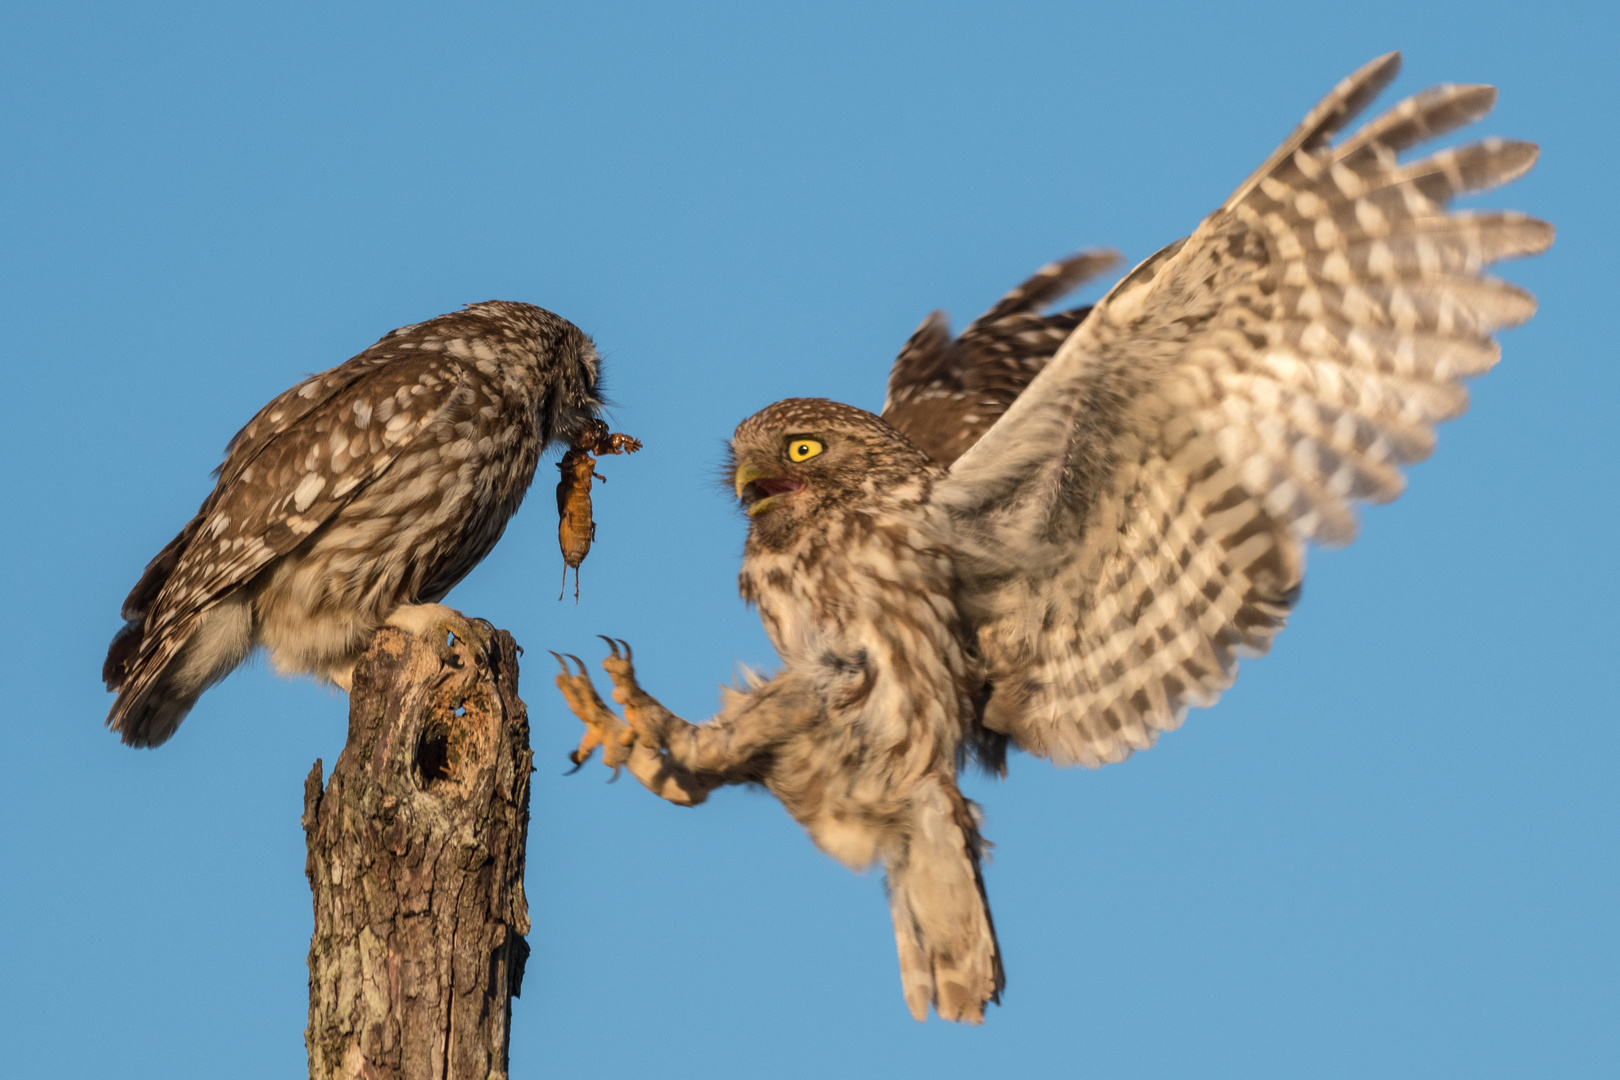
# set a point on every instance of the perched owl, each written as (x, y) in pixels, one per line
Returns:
(359, 497)
(1132, 523)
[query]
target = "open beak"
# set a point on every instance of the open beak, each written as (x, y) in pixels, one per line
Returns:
(760, 491)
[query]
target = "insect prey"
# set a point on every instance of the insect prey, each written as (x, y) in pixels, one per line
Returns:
(575, 529)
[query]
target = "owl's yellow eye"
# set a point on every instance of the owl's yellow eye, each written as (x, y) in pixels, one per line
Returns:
(803, 449)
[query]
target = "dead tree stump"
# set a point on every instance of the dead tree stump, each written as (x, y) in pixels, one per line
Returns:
(416, 864)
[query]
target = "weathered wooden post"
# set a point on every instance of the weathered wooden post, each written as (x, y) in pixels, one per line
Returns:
(416, 850)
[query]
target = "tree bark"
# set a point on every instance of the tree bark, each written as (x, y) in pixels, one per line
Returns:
(416, 851)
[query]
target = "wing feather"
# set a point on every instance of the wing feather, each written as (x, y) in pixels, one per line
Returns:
(944, 393)
(284, 477)
(1136, 520)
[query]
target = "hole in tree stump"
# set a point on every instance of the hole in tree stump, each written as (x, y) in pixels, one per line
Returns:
(433, 756)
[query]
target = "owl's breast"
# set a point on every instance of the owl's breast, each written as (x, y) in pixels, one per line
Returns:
(872, 618)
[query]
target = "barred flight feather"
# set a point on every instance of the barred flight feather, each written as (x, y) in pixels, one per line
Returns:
(1228, 401)
(1124, 516)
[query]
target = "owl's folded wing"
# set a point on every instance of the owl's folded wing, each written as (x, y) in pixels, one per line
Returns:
(278, 488)
(1137, 519)
(944, 393)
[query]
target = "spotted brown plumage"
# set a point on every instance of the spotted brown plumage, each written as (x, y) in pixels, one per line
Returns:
(349, 500)
(1135, 520)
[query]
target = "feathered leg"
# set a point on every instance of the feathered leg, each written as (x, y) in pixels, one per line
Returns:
(728, 746)
(949, 957)
(673, 758)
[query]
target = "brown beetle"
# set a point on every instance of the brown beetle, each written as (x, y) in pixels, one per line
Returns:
(575, 529)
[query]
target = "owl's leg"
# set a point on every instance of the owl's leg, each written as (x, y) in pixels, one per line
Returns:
(729, 748)
(619, 744)
(438, 623)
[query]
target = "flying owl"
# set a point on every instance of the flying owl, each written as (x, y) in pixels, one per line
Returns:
(358, 498)
(1112, 538)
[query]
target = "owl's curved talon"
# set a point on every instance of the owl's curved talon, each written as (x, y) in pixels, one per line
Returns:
(440, 624)
(602, 726)
(645, 716)
(620, 666)
(477, 634)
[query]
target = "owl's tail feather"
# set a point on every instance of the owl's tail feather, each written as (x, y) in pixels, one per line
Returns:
(158, 681)
(949, 957)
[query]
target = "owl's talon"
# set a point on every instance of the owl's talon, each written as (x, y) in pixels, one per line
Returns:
(440, 624)
(602, 726)
(477, 633)
(642, 714)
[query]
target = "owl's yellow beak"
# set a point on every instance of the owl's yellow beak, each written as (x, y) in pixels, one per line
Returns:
(746, 474)
(760, 490)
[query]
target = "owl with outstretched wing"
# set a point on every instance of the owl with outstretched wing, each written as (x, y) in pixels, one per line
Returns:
(1120, 526)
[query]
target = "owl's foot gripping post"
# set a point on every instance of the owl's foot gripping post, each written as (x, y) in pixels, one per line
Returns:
(439, 624)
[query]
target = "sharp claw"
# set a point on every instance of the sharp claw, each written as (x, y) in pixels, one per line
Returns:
(578, 765)
(578, 661)
(627, 654)
(611, 644)
(564, 663)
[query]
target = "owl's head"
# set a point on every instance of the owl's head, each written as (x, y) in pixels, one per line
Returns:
(561, 356)
(803, 457)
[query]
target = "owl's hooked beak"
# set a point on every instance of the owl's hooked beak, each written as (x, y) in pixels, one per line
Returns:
(759, 490)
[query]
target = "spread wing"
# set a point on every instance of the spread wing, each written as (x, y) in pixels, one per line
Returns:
(944, 393)
(1137, 519)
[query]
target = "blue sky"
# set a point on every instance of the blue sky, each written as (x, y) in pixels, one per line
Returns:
(1390, 850)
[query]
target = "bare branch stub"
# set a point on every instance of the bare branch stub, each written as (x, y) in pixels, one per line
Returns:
(416, 859)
